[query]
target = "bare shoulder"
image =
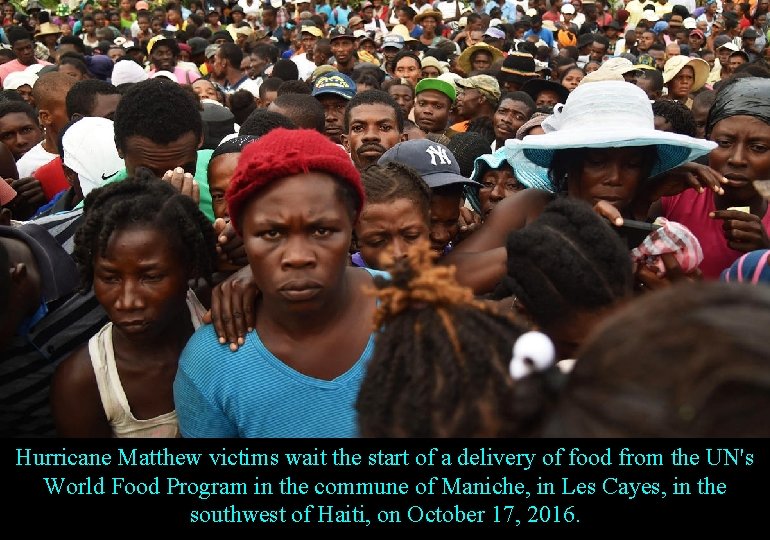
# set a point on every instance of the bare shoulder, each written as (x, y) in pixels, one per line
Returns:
(75, 399)
(76, 368)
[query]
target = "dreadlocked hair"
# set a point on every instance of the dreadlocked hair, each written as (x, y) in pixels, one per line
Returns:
(568, 259)
(440, 363)
(145, 199)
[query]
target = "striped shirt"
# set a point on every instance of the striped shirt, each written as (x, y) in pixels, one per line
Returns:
(72, 318)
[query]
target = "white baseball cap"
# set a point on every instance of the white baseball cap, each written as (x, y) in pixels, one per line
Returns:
(89, 150)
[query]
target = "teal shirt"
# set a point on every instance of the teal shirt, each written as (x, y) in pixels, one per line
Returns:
(201, 176)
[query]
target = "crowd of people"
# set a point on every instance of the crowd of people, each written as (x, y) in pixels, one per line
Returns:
(406, 219)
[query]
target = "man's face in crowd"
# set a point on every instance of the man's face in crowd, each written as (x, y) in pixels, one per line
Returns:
(19, 133)
(386, 231)
(163, 57)
(481, 61)
(205, 89)
(735, 61)
(547, 98)
(647, 86)
(139, 151)
(219, 66)
(389, 53)
(342, 49)
(700, 113)
(431, 111)
(334, 114)
(598, 50)
(645, 41)
(469, 100)
(659, 57)
(258, 65)
(403, 96)
(372, 130)
(308, 42)
(24, 49)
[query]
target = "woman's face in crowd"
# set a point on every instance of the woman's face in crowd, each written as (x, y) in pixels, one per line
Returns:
(572, 79)
(141, 281)
(681, 85)
(742, 154)
(496, 185)
(609, 174)
(387, 230)
(297, 233)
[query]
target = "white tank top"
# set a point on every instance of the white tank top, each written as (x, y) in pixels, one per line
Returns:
(114, 400)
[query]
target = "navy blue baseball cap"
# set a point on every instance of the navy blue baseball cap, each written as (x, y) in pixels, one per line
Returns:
(435, 162)
(334, 82)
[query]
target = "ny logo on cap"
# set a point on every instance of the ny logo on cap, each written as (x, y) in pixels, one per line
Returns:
(440, 153)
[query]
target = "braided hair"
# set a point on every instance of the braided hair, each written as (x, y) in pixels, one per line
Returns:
(144, 199)
(440, 364)
(567, 260)
(677, 114)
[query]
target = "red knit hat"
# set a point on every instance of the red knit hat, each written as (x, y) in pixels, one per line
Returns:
(282, 153)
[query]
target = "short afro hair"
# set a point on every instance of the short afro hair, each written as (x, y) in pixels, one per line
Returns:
(82, 96)
(158, 109)
(261, 122)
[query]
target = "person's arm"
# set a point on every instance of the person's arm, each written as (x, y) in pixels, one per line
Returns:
(75, 401)
(688, 176)
(7, 163)
(480, 271)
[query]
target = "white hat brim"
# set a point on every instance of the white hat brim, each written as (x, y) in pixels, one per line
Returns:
(673, 149)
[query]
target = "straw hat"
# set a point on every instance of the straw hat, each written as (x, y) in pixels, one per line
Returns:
(402, 31)
(608, 114)
(47, 29)
(464, 60)
(429, 13)
(675, 64)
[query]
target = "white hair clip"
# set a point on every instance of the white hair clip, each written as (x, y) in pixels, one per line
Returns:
(533, 351)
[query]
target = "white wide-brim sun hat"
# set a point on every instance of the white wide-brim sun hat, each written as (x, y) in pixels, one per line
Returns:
(608, 114)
